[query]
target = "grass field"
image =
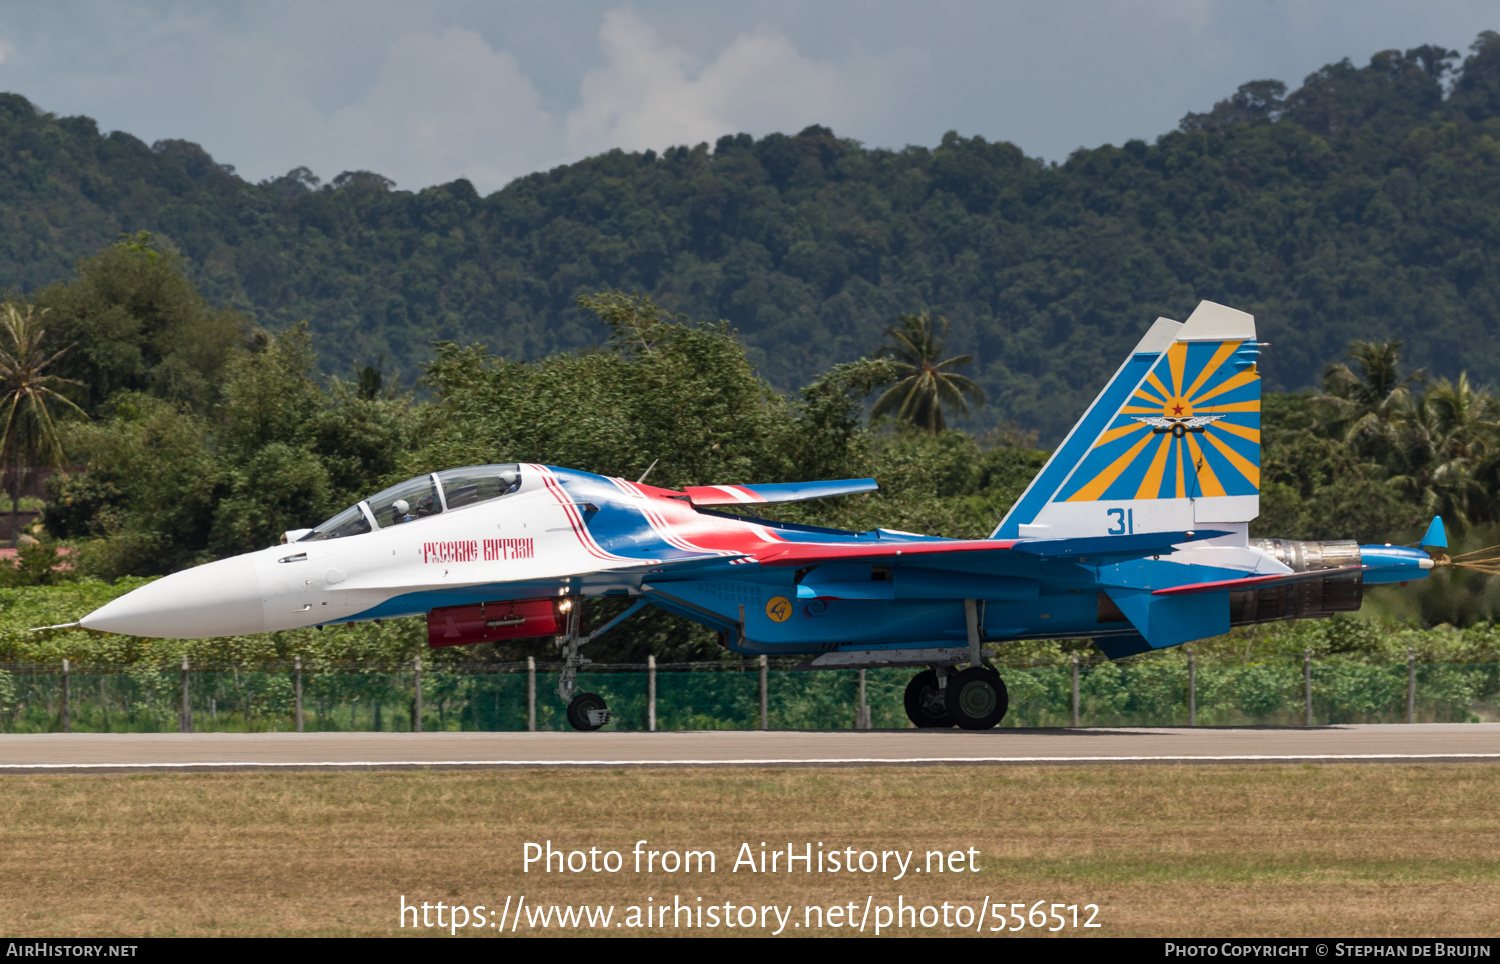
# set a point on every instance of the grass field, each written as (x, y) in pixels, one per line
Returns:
(1163, 851)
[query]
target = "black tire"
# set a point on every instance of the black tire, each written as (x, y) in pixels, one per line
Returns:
(976, 698)
(578, 711)
(923, 706)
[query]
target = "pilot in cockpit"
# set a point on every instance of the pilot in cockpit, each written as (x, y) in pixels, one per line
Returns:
(400, 510)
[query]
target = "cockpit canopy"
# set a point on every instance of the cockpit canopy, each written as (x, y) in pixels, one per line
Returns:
(426, 495)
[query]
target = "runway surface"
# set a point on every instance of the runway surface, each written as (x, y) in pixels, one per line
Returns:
(207, 752)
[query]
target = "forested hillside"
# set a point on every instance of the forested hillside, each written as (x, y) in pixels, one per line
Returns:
(1363, 205)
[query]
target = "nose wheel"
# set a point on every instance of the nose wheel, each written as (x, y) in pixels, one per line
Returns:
(587, 712)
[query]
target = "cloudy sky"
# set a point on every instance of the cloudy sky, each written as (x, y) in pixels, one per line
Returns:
(432, 91)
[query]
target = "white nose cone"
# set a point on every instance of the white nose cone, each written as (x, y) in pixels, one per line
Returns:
(220, 599)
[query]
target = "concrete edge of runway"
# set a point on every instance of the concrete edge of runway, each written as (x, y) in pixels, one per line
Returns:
(1434, 743)
(367, 766)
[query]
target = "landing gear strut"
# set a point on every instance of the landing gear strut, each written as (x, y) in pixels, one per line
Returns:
(586, 711)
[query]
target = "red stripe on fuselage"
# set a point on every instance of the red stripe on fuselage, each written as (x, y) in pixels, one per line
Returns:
(585, 538)
(705, 533)
(644, 502)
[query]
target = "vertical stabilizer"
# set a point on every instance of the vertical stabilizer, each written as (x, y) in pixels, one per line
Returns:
(1172, 443)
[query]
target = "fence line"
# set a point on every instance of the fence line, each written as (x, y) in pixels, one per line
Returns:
(750, 695)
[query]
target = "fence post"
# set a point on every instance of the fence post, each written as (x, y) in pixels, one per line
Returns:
(650, 694)
(1192, 687)
(67, 714)
(531, 694)
(1411, 685)
(297, 662)
(862, 712)
(764, 703)
(1307, 683)
(185, 720)
(1075, 689)
(416, 703)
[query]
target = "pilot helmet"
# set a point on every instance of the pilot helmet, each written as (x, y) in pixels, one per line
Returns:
(401, 507)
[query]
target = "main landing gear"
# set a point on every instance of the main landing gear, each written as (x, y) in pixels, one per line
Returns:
(971, 699)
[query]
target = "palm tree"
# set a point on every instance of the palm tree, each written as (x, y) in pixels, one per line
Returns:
(1365, 401)
(925, 385)
(1446, 445)
(27, 429)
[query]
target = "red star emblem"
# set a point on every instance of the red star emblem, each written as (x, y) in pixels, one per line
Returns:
(1177, 410)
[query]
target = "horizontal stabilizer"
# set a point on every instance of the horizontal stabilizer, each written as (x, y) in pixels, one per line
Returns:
(1257, 582)
(775, 491)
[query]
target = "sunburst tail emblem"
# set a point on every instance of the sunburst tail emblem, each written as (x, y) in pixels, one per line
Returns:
(1190, 430)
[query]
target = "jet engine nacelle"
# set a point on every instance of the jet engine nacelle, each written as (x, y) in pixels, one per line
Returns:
(1303, 600)
(494, 621)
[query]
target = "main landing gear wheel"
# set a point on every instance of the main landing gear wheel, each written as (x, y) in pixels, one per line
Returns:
(587, 712)
(976, 698)
(924, 701)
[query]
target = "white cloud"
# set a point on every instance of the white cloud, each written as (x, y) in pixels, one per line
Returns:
(448, 104)
(442, 106)
(424, 93)
(645, 95)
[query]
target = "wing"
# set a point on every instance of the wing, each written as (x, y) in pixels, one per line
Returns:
(1198, 421)
(1155, 421)
(775, 491)
(928, 551)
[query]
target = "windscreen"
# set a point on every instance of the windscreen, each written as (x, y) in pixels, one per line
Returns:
(479, 483)
(411, 500)
(350, 522)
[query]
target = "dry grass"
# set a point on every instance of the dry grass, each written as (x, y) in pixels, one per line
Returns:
(1179, 851)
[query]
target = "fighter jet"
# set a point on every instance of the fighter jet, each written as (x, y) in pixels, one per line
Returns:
(1134, 534)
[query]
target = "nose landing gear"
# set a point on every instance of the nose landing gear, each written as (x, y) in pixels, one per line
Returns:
(587, 711)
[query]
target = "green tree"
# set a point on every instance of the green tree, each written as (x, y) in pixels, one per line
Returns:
(167, 487)
(28, 429)
(925, 384)
(140, 325)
